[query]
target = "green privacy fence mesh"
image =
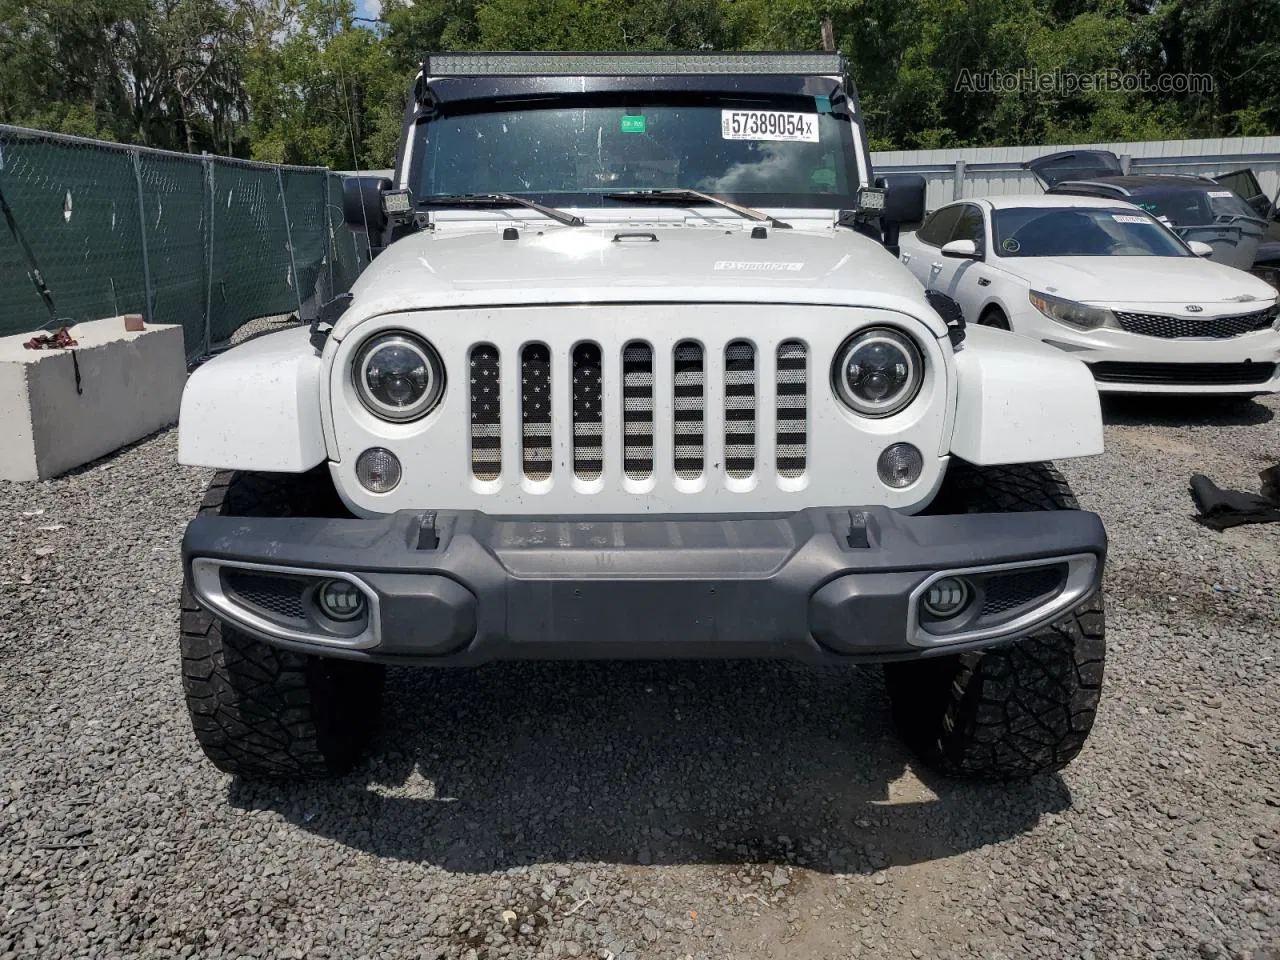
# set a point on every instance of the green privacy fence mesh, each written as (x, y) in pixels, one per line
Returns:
(209, 243)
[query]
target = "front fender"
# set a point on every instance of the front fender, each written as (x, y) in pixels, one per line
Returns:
(255, 407)
(1020, 401)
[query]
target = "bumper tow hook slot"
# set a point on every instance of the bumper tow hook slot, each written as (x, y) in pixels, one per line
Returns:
(428, 539)
(859, 536)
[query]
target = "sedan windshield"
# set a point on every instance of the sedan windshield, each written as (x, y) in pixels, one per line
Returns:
(1081, 232)
(1192, 207)
(778, 151)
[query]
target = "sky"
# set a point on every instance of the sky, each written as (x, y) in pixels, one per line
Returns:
(368, 8)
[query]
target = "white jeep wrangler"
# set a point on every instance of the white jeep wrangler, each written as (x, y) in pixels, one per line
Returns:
(633, 375)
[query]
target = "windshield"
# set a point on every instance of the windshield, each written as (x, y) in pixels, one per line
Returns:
(1192, 208)
(567, 151)
(1081, 232)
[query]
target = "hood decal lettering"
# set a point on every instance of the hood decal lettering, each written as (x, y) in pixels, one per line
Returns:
(759, 266)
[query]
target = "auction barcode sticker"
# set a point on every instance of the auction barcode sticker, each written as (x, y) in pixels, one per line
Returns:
(1128, 218)
(768, 125)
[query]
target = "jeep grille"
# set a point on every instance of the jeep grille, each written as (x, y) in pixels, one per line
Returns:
(738, 383)
(689, 414)
(486, 413)
(588, 413)
(740, 409)
(637, 410)
(793, 408)
(535, 410)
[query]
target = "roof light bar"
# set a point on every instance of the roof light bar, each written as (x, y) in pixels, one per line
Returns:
(630, 64)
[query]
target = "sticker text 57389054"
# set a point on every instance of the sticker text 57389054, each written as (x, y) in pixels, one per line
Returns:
(768, 125)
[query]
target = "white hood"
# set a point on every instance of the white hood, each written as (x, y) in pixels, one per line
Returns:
(1124, 280)
(633, 262)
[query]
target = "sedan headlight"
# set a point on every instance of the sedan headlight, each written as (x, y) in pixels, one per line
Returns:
(1072, 314)
(878, 372)
(398, 377)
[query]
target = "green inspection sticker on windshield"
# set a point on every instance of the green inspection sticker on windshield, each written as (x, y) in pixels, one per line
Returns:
(633, 124)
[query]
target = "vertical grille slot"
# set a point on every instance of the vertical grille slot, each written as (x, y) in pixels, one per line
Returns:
(792, 409)
(637, 410)
(486, 413)
(588, 412)
(740, 409)
(535, 410)
(689, 415)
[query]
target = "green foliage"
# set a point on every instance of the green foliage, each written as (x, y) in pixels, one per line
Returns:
(166, 73)
(308, 81)
(324, 91)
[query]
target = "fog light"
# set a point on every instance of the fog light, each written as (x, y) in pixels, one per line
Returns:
(945, 598)
(378, 470)
(341, 600)
(900, 465)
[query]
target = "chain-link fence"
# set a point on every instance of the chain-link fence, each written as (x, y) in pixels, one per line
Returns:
(93, 229)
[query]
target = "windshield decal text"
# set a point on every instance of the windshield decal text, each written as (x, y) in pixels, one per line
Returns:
(768, 125)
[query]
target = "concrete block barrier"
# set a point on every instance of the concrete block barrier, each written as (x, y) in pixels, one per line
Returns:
(130, 385)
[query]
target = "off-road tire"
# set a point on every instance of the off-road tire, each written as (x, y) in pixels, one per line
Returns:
(1015, 710)
(260, 711)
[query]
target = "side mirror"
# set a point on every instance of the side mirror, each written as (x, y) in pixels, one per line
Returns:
(961, 250)
(1200, 248)
(904, 198)
(362, 204)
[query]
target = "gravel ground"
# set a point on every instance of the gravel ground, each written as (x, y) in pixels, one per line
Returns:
(740, 810)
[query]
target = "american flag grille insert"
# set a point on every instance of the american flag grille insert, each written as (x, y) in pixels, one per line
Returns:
(588, 412)
(695, 395)
(1221, 328)
(637, 410)
(740, 409)
(535, 410)
(689, 409)
(791, 386)
(486, 413)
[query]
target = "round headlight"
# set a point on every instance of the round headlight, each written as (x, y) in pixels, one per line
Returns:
(398, 376)
(878, 372)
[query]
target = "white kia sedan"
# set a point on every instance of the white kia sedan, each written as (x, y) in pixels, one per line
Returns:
(1108, 283)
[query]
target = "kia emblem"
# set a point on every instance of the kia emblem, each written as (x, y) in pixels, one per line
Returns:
(1194, 308)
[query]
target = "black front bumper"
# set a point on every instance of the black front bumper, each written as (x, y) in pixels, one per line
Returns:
(819, 584)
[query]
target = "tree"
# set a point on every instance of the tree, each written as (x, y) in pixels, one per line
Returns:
(306, 81)
(165, 73)
(324, 90)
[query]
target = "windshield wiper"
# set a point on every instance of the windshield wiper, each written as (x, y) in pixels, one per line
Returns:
(654, 196)
(502, 200)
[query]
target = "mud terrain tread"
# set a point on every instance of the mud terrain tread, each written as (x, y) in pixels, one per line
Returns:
(1016, 710)
(258, 710)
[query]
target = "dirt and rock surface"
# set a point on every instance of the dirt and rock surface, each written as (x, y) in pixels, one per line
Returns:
(689, 810)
